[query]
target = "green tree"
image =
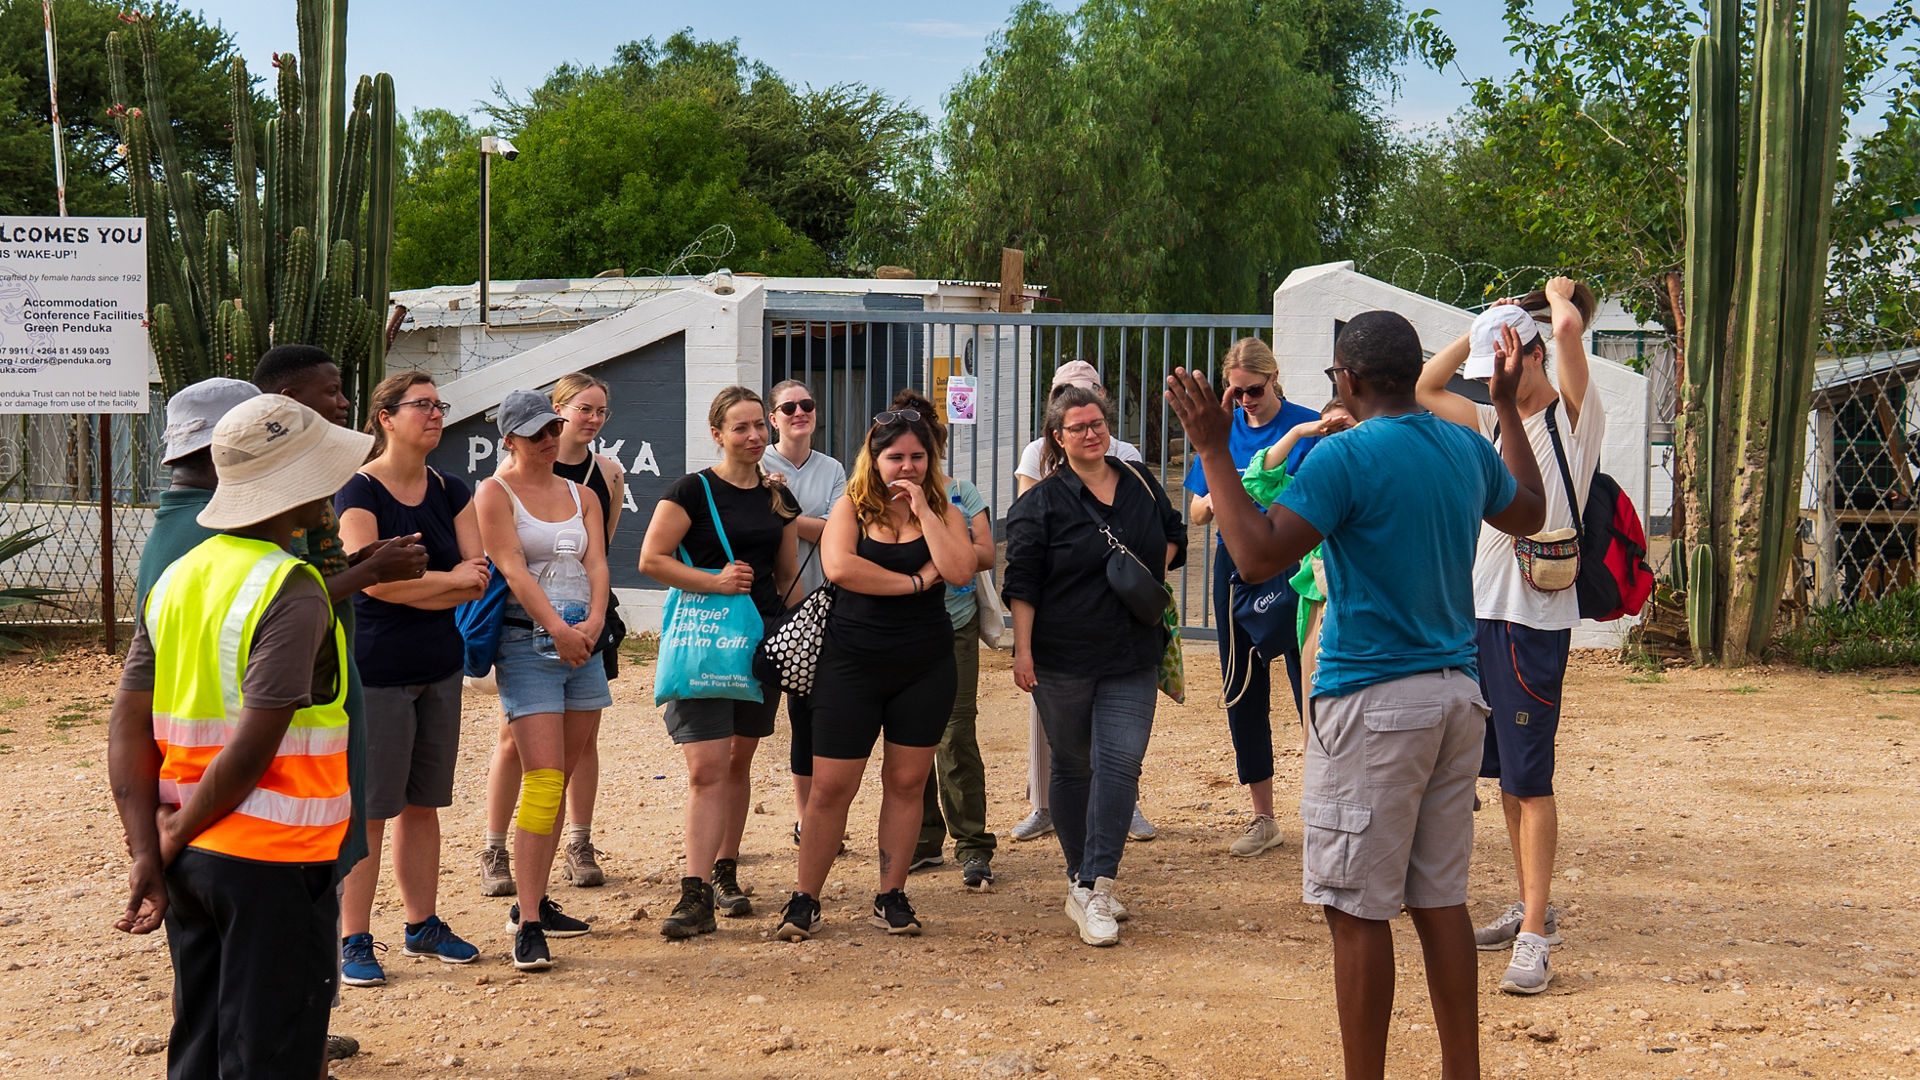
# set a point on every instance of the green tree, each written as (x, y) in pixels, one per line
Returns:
(194, 57)
(436, 237)
(1145, 156)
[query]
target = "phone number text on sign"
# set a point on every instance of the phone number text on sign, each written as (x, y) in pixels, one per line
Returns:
(73, 315)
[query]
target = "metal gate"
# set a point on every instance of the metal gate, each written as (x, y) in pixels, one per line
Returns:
(855, 360)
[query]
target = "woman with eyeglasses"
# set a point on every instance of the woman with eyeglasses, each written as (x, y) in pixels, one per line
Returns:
(410, 657)
(887, 667)
(581, 400)
(1262, 416)
(817, 481)
(528, 517)
(718, 736)
(1091, 665)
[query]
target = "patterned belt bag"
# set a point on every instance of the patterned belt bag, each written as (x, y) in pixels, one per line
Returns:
(1549, 561)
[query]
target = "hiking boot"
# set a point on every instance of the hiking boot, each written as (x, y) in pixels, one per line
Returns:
(357, 964)
(728, 898)
(341, 1047)
(530, 948)
(693, 914)
(437, 939)
(977, 873)
(796, 834)
(926, 862)
(1034, 825)
(581, 865)
(800, 919)
(1528, 972)
(496, 872)
(1497, 934)
(1261, 834)
(1141, 829)
(553, 922)
(892, 913)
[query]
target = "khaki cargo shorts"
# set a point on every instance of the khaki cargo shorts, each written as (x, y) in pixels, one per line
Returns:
(1387, 800)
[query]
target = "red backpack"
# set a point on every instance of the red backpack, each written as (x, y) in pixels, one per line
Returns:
(1615, 579)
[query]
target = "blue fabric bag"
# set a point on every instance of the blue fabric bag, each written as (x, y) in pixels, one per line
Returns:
(707, 640)
(1265, 612)
(479, 623)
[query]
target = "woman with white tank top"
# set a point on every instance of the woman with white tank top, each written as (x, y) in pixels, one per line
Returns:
(552, 705)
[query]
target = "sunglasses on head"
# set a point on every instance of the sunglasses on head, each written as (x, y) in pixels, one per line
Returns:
(804, 405)
(897, 416)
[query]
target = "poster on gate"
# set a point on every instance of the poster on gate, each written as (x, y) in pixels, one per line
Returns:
(961, 391)
(73, 311)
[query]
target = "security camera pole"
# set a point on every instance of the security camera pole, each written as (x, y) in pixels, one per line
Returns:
(489, 146)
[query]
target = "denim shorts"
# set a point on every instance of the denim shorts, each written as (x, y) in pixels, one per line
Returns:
(531, 684)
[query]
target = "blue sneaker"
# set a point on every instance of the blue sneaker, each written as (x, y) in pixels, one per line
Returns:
(438, 939)
(357, 965)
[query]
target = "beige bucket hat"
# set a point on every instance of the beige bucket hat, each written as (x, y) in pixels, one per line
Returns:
(273, 454)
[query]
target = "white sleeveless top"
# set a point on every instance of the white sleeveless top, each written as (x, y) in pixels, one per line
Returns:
(539, 539)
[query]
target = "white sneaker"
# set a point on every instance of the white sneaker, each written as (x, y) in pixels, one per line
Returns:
(1097, 923)
(1529, 972)
(1260, 835)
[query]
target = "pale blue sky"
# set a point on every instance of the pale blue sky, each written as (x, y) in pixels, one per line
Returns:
(448, 54)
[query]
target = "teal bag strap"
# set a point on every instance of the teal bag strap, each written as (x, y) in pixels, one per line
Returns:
(715, 511)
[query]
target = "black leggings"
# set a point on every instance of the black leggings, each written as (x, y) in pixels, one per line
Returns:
(800, 715)
(857, 696)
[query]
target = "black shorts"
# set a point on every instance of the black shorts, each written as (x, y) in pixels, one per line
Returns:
(856, 697)
(1521, 672)
(705, 719)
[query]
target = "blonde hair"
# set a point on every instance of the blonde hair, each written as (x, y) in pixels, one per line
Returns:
(867, 491)
(1251, 355)
(573, 384)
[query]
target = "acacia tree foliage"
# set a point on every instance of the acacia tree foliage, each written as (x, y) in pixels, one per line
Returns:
(1148, 156)
(1588, 136)
(623, 166)
(194, 55)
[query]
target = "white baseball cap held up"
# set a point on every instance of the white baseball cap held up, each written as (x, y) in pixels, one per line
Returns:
(193, 413)
(273, 454)
(1485, 336)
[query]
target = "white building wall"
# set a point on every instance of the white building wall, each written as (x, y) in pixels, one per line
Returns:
(1307, 305)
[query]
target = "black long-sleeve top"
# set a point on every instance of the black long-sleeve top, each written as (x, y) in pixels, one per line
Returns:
(1057, 561)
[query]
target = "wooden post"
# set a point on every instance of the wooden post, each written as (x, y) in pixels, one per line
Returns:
(1826, 531)
(105, 473)
(1013, 279)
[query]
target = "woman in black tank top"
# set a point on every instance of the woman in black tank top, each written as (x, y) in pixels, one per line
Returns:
(581, 400)
(887, 662)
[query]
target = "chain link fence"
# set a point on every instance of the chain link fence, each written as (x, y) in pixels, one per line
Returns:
(51, 467)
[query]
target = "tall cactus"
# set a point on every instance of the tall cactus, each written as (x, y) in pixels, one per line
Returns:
(302, 254)
(1756, 268)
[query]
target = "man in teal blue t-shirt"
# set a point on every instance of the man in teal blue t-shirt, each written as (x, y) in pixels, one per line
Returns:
(1396, 723)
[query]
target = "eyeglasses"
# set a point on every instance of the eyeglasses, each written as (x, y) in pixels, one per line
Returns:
(1333, 380)
(897, 416)
(1091, 427)
(1250, 393)
(589, 411)
(790, 407)
(425, 405)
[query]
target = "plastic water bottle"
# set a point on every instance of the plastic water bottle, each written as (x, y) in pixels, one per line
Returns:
(564, 580)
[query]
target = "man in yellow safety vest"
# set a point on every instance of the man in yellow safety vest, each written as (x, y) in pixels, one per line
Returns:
(227, 754)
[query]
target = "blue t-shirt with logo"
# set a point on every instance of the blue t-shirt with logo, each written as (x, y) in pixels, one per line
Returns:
(1399, 500)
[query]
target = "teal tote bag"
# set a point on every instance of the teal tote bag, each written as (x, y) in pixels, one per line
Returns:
(707, 639)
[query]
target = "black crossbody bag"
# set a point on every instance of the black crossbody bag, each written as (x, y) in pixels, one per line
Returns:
(1136, 586)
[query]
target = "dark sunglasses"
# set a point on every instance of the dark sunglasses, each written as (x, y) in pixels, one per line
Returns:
(791, 407)
(897, 416)
(1250, 393)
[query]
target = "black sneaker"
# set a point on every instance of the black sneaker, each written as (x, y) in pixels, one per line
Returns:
(976, 873)
(693, 914)
(728, 900)
(926, 862)
(800, 919)
(341, 1047)
(530, 948)
(553, 922)
(892, 913)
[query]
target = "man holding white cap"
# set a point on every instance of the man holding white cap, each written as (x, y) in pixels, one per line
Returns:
(227, 754)
(1039, 755)
(1524, 617)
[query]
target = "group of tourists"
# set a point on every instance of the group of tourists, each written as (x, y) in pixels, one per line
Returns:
(306, 620)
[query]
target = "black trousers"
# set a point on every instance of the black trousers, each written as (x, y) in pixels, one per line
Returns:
(253, 947)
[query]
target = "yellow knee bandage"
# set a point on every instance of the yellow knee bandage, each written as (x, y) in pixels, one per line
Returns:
(540, 793)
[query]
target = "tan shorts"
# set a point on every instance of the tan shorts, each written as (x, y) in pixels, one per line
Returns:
(1387, 800)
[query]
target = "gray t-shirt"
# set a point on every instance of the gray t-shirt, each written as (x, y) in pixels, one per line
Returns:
(1030, 467)
(817, 483)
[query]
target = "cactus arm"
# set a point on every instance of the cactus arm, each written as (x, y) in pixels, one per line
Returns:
(187, 216)
(250, 244)
(379, 235)
(291, 310)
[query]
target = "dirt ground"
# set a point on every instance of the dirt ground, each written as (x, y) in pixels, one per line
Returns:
(1737, 871)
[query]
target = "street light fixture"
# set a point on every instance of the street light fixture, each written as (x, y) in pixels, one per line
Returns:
(489, 146)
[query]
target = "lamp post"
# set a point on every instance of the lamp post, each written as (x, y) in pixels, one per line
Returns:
(489, 146)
